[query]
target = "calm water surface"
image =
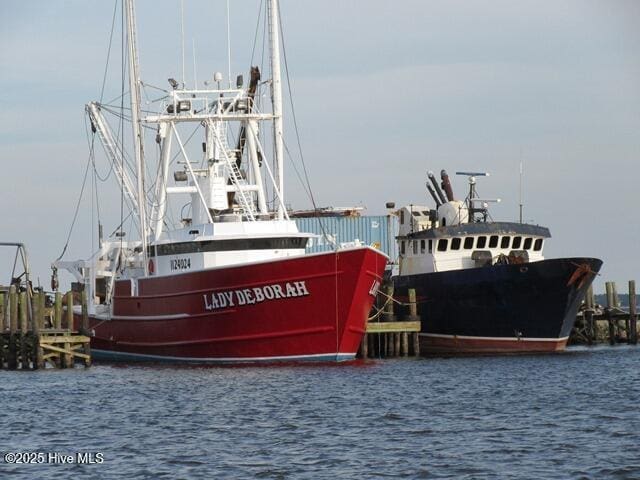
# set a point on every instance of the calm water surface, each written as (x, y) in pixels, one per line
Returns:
(573, 415)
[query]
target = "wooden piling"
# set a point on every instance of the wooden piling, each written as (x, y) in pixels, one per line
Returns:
(413, 316)
(1, 330)
(633, 319)
(69, 305)
(7, 314)
(405, 344)
(36, 312)
(12, 362)
(2, 302)
(24, 358)
(608, 312)
(85, 329)
(364, 346)
(57, 311)
(588, 316)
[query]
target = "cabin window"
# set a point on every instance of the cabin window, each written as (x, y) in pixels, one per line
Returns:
(482, 242)
(455, 243)
(422, 246)
(493, 241)
(415, 214)
(415, 246)
(504, 243)
(468, 243)
(402, 217)
(402, 248)
(516, 242)
(442, 244)
(537, 246)
(425, 213)
(430, 246)
(527, 243)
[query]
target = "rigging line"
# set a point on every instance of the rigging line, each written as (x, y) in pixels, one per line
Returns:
(295, 125)
(75, 215)
(255, 37)
(93, 155)
(106, 66)
(295, 169)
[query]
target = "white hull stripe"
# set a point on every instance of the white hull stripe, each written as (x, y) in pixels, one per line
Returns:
(141, 317)
(112, 355)
(494, 339)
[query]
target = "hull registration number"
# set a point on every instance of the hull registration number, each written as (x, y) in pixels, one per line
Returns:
(180, 264)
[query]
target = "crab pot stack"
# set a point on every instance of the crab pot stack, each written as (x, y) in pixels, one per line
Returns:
(389, 334)
(34, 335)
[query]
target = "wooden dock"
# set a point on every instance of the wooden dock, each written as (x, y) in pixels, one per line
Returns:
(34, 335)
(387, 335)
(610, 323)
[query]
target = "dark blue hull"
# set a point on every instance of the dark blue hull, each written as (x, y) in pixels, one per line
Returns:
(527, 307)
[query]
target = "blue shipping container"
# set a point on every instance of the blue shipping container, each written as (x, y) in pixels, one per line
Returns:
(378, 231)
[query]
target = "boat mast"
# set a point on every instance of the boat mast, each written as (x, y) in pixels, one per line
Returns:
(276, 99)
(134, 89)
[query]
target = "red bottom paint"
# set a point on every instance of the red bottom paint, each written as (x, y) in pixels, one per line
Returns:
(459, 344)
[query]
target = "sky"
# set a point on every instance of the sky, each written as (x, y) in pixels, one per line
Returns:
(383, 92)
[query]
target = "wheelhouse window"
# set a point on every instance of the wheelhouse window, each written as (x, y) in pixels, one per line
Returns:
(415, 246)
(493, 241)
(455, 243)
(517, 241)
(430, 246)
(482, 242)
(527, 243)
(504, 243)
(443, 243)
(403, 249)
(415, 214)
(468, 243)
(402, 216)
(422, 246)
(537, 246)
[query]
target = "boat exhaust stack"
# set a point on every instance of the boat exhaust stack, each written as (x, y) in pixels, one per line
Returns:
(433, 194)
(446, 185)
(436, 187)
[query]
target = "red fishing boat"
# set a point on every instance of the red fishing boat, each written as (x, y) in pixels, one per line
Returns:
(228, 281)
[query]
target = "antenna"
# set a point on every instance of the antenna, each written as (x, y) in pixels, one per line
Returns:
(228, 46)
(521, 175)
(182, 40)
(195, 72)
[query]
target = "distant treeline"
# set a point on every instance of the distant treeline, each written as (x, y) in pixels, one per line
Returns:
(601, 299)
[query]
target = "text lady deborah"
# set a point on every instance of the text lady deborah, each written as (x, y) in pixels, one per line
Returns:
(251, 296)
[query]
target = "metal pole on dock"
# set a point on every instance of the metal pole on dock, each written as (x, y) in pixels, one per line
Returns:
(85, 328)
(633, 319)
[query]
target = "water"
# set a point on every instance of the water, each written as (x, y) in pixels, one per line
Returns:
(573, 415)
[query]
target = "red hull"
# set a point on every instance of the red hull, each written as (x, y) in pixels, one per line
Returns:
(435, 344)
(308, 307)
